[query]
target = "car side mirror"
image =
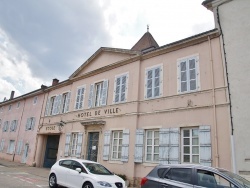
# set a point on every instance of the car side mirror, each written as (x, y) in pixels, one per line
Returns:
(79, 170)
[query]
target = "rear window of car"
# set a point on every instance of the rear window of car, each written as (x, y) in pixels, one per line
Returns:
(160, 172)
(180, 174)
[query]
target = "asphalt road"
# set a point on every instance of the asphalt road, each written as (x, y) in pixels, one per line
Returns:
(23, 176)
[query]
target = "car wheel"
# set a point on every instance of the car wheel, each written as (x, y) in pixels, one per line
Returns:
(87, 185)
(52, 181)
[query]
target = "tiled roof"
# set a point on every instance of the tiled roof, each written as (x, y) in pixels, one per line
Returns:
(146, 41)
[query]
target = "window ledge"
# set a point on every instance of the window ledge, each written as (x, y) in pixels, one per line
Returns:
(150, 164)
(115, 162)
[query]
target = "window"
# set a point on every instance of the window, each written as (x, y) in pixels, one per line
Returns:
(120, 93)
(1, 109)
(188, 74)
(116, 145)
(74, 140)
(210, 179)
(153, 82)
(10, 106)
(11, 147)
(98, 94)
(58, 104)
(2, 145)
(80, 98)
(180, 174)
(52, 102)
(19, 147)
(73, 144)
(190, 145)
(13, 126)
(152, 145)
(18, 105)
(30, 123)
(5, 126)
(35, 100)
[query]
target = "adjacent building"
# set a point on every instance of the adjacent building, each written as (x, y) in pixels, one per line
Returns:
(231, 18)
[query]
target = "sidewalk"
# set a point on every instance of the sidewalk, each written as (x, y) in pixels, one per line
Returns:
(41, 172)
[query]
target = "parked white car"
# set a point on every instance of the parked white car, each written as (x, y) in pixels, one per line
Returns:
(79, 173)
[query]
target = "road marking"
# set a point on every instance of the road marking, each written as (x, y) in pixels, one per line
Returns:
(42, 185)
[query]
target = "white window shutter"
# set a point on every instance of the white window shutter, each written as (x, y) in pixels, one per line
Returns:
(125, 145)
(79, 145)
(67, 101)
(104, 92)
(27, 124)
(67, 144)
(12, 126)
(123, 88)
(33, 123)
(19, 147)
(78, 96)
(82, 98)
(138, 156)
(16, 123)
(116, 97)
(91, 93)
(178, 77)
(174, 151)
(47, 107)
(106, 145)
(2, 144)
(205, 145)
(58, 107)
(164, 146)
(145, 84)
(55, 105)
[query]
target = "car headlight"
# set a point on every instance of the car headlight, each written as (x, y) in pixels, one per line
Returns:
(104, 184)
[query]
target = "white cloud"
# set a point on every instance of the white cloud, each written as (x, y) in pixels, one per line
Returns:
(15, 74)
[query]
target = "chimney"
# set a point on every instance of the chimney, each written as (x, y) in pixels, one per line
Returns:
(55, 81)
(12, 95)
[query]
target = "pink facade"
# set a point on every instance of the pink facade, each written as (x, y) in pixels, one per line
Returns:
(131, 110)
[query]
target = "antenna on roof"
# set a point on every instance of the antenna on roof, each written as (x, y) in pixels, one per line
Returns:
(147, 28)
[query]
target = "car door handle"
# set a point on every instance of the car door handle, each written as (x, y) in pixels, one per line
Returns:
(164, 185)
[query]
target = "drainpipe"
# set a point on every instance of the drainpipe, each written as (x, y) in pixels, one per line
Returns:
(229, 93)
(214, 105)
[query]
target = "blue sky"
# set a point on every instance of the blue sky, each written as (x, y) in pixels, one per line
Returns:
(42, 40)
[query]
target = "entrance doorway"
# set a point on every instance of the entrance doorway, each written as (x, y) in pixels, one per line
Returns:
(93, 140)
(51, 151)
(25, 153)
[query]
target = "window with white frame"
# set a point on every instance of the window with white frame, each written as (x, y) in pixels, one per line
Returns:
(188, 74)
(80, 98)
(73, 144)
(153, 82)
(11, 147)
(35, 100)
(190, 145)
(1, 109)
(58, 104)
(74, 140)
(10, 106)
(51, 105)
(5, 126)
(30, 123)
(116, 147)
(98, 94)
(2, 145)
(13, 125)
(121, 87)
(152, 146)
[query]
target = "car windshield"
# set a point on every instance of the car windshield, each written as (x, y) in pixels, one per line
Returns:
(237, 178)
(95, 168)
